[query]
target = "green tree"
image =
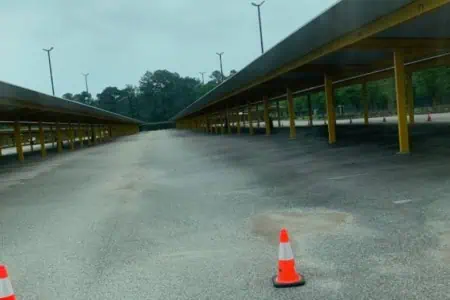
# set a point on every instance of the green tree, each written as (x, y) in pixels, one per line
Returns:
(84, 97)
(108, 98)
(433, 83)
(68, 96)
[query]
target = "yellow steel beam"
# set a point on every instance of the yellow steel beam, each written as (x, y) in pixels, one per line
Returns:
(266, 114)
(402, 43)
(18, 140)
(292, 130)
(422, 64)
(438, 61)
(410, 97)
(330, 110)
(408, 12)
(310, 111)
(365, 102)
(400, 90)
(59, 141)
(42, 140)
(251, 131)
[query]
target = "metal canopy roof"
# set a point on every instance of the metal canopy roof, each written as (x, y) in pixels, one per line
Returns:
(17, 103)
(266, 74)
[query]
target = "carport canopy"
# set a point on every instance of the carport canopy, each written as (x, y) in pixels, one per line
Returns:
(353, 40)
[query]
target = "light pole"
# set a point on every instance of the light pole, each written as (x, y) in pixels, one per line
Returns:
(221, 67)
(50, 66)
(203, 76)
(86, 81)
(260, 26)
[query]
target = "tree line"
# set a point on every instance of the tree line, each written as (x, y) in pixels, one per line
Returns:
(431, 90)
(161, 94)
(157, 97)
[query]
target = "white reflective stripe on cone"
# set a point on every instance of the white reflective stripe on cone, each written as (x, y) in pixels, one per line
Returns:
(285, 252)
(6, 289)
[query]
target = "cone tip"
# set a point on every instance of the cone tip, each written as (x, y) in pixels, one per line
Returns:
(3, 272)
(284, 236)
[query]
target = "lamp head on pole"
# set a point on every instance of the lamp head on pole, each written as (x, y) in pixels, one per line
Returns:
(257, 5)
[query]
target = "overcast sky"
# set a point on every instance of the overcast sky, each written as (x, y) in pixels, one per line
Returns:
(116, 41)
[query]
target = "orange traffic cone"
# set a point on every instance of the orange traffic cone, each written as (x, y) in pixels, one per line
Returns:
(287, 275)
(429, 117)
(6, 290)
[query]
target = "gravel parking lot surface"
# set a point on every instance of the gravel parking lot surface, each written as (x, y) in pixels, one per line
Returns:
(181, 215)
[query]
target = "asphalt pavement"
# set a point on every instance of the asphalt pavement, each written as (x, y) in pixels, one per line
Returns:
(181, 215)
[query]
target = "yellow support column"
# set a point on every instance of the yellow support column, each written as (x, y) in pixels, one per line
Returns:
(210, 124)
(292, 130)
(266, 115)
(222, 125)
(89, 135)
(310, 111)
(30, 137)
(59, 141)
(52, 136)
(42, 140)
(238, 122)
(100, 133)
(365, 103)
(331, 113)
(410, 97)
(103, 133)
(257, 116)
(228, 121)
(250, 120)
(94, 134)
(278, 113)
(400, 89)
(18, 140)
(80, 135)
(71, 137)
(106, 132)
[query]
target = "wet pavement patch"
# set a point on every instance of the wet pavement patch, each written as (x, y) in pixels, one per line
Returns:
(299, 223)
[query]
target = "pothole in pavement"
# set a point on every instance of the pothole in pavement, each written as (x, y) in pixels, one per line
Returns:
(299, 223)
